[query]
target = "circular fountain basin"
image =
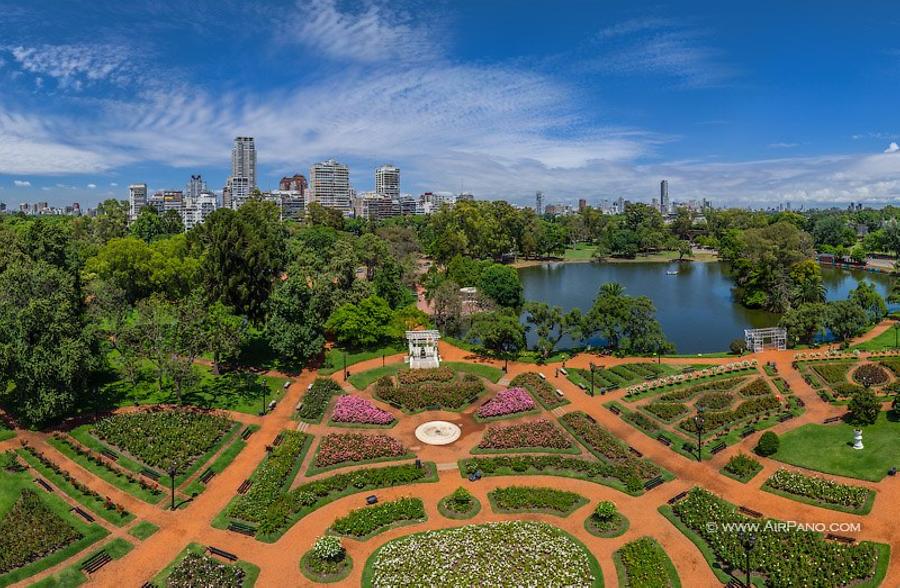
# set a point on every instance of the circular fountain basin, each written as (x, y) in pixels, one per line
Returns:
(438, 433)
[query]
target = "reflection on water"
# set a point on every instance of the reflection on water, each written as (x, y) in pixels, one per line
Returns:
(694, 307)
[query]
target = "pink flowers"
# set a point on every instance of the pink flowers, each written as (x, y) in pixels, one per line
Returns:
(340, 448)
(506, 402)
(540, 434)
(356, 409)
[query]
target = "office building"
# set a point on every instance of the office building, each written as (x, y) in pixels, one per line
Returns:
(387, 181)
(329, 185)
(296, 184)
(195, 187)
(465, 196)
(664, 196)
(137, 199)
(242, 181)
(196, 209)
(582, 204)
(539, 203)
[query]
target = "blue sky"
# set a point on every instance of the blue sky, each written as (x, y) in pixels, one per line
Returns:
(750, 105)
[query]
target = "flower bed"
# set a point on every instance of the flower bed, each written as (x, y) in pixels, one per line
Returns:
(742, 467)
(606, 446)
(540, 389)
(689, 392)
(514, 553)
(757, 387)
(441, 374)
(362, 523)
(452, 395)
(745, 410)
(535, 499)
(666, 411)
(270, 478)
(30, 531)
(338, 449)
(316, 399)
(871, 374)
(786, 556)
(606, 521)
(350, 408)
(644, 563)
(832, 373)
(642, 422)
(160, 438)
(821, 491)
(506, 402)
(535, 435)
(601, 472)
(198, 569)
(327, 561)
(714, 401)
(459, 505)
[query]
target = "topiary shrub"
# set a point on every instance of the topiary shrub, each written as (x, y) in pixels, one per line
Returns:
(328, 548)
(864, 408)
(606, 510)
(768, 444)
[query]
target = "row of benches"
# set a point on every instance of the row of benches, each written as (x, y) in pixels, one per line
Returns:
(95, 562)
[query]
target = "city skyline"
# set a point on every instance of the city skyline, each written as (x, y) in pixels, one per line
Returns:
(741, 108)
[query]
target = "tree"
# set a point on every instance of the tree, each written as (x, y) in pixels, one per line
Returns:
(806, 282)
(326, 217)
(363, 325)
(684, 249)
(149, 225)
(845, 319)
(124, 263)
(864, 407)
(768, 444)
(225, 333)
(502, 284)
(628, 323)
(738, 346)
(295, 327)
(500, 332)
(867, 298)
(156, 323)
(551, 325)
(834, 230)
(111, 221)
(48, 354)
(803, 323)
(388, 284)
(372, 252)
(683, 223)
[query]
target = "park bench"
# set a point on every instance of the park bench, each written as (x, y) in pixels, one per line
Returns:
(82, 513)
(95, 562)
(786, 417)
(563, 371)
(108, 453)
(241, 528)
(246, 433)
(717, 448)
(747, 432)
(750, 512)
(278, 439)
(677, 497)
(590, 418)
(148, 585)
(651, 484)
(150, 474)
(560, 393)
(221, 553)
(371, 499)
(840, 538)
(583, 387)
(40, 482)
(835, 419)
(614, 409)
(664, 440)
(542, 376)
(687, 446)
(635, 451)
(207, 475)
(286, 385)
(245, 485)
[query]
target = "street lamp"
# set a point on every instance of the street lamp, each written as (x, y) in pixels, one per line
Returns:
(747, 542)
(345, 366)
(265, 396)
(173, 471)
(698, 422)
(592, 379)
(896, 330)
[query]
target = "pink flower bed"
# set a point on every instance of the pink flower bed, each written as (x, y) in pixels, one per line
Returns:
(356, 409)
(336, 448)
(541, 434)
(509, 401)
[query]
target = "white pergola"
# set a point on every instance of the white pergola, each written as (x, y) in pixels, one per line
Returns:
(423, 349)
(769, 338)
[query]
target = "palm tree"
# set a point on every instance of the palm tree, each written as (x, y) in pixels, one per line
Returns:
(612, 289)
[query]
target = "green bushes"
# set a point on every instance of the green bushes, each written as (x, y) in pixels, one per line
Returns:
(595, 471)
(540, 389)
(715, 401)
(30, 531)
(450, 395)
(666, 411)
(645, 564)
(459, 505)
(535, 499)
(316, 399)
(820, 490)
(607, 446)
(743, 467)
(757, 387)
(370, 520)
(687, 392)
(864, 408)
(605, 520)
(213, 572)
(747, 409)
(441, 374)
(768, 444)
(327, 561)
(870, 374)
(832, 373)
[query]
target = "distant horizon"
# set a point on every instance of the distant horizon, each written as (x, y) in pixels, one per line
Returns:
(744, 106)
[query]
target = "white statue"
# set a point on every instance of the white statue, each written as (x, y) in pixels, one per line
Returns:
(857, 439)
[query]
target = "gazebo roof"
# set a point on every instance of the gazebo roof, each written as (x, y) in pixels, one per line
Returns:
(430, 335)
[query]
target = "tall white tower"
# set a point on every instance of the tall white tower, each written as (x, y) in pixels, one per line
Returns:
(387, 181)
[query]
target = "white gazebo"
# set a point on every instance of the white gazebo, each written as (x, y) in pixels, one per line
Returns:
(423, 349)
(770, 338)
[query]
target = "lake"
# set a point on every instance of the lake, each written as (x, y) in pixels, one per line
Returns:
(695, 307)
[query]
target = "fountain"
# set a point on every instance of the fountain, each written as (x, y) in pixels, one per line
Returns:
(438, 433)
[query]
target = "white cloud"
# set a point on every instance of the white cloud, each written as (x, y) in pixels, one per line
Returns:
(92, 186)
(113, 184)
(892, 148)
(782, 145)
(22, 183)
(73, 66)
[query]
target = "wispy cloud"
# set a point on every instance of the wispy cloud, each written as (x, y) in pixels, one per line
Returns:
(22, 183)
(74, 66)
(892, 148)
(782, 145)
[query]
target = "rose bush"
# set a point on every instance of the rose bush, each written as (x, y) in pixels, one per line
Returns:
(347, 448)
(350, 408)
(506, 402)
(536, 434)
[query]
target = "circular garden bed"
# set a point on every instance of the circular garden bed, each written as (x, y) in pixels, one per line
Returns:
(459, 505)
(870, 374)
(606, 521)
(325, 568)
(513, 553)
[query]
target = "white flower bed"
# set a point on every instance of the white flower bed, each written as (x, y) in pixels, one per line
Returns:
(679, 378)
(514, 553)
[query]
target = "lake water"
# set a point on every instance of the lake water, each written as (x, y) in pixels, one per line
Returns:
(695, 307)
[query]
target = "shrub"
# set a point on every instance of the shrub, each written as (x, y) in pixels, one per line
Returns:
(666, 411)
(528, 498)
(864, 408)
(605, 510)
(743, 466)
(607, 446)
(419, 396)
(214, 573)
(757, 387)
(715, 400)
(737, 346)
(366, 521)
(768, 444)
(316, 399)
(270, 478)
(819, 489)
(506, 402)
(30, 531)
(645, 564)
(441, 374)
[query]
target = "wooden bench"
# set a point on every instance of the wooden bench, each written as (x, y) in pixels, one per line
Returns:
(840, 538)
(614, 409)
(563, 371)
(279, 439)
(559, 393)
(221, 553)
(835, 419)
(717, 448)
(750, 512)
(148, 585)
(542, 376)
(82, 513)
(246, 433)
(677, 497)
(747, 432)
(583, 387)
(245, 485)
(109, 453)
(148, 473)
(95, 562)
(241, 528)
(635, 451)
(590, 418)
(207, 475)
(40, 482)
(785, 417)
(651, 484)
(664, 440)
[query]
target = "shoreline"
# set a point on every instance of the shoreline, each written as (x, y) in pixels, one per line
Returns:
(704, 257)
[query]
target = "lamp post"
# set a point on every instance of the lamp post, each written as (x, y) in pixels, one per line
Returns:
(345, 366)
(698, 422)
(896, 330)
(747, 542)
(173, 471)
(592, 378)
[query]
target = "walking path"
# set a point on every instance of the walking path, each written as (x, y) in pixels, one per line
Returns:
(279, 561)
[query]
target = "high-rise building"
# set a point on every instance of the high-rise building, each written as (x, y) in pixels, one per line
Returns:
(582, 204)
(296, 183)
(242, 181)
(539, 203)
(137, 199)
(329, 184)
(387, 181)
(664, 196)
(196, 209)
(195, 187)
(465, 196)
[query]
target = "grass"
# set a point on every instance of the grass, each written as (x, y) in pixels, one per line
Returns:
(580, 252)
(617, 527)
(886, 340)
(828, 448)
(251, 571)
(221, 462)
(363, 380)
(11, 485)
(92, 503)
(346, 566)
(73, 576)
(143, 530)
(334, 358)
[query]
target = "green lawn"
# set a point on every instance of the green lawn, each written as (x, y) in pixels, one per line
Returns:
(73, 576)
(827, 448)
(886, 340)
(334, 358)
(143, 530)
(581, 252)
